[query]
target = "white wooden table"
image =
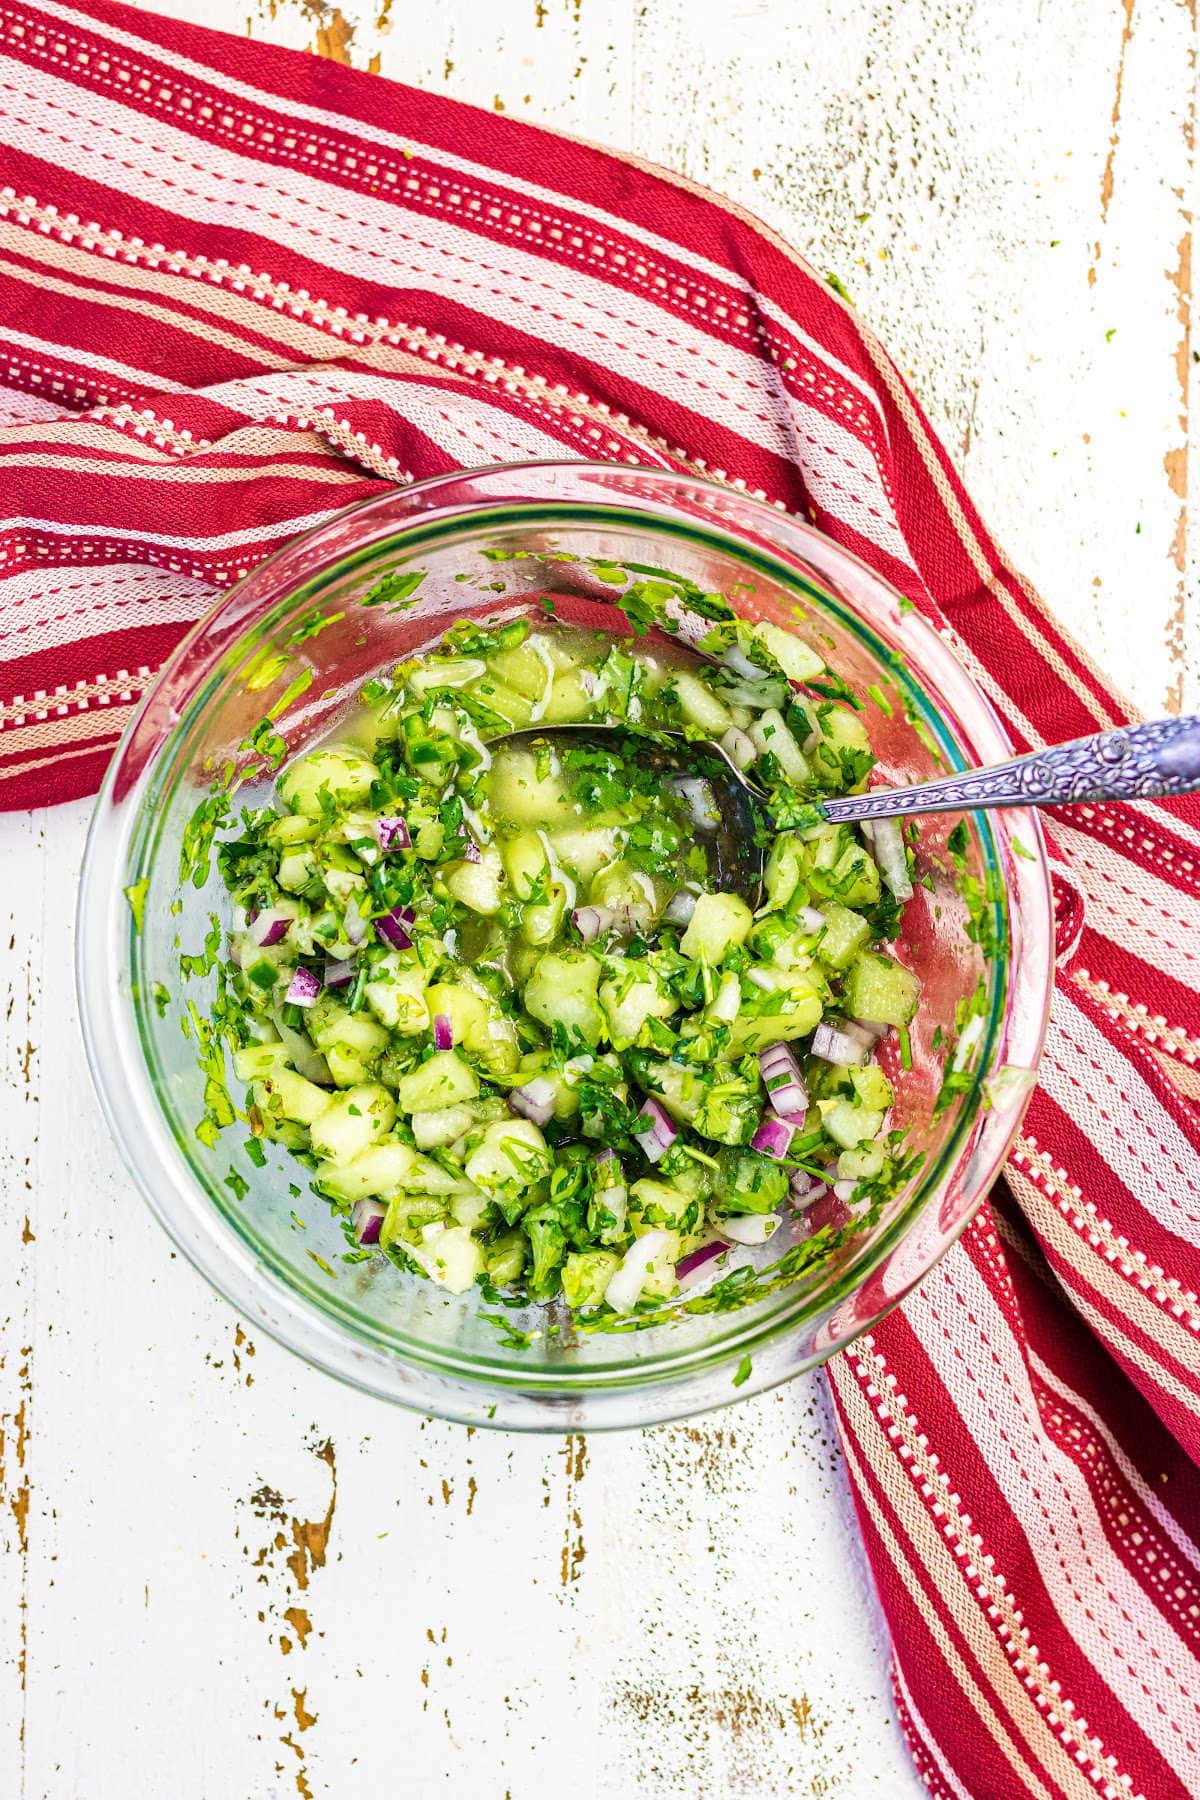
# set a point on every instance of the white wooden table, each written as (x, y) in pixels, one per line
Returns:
(225, 1578)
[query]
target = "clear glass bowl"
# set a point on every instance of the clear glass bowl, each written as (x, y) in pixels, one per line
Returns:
(278, 1257)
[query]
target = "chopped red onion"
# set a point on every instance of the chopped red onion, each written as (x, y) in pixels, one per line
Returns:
(698, 797)
(338, 974)
(696, 1259)
(393, 927)
(472, 853)
(834, 1045)
(393, 834)
(680, 908)
(534, 1100)
(783, 1081)
(443, 1032)
(658, 1132)
(304, 988)
(590, 921)
(366, 1217)
(885, 840)
(773, 1137)
(267, 928)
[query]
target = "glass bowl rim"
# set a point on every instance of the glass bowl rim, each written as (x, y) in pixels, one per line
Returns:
(238, 1275)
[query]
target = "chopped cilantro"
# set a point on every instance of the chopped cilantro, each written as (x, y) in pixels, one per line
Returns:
(395, 590)
(136, 896)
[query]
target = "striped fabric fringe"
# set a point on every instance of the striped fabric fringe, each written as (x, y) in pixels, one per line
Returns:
(239, 289)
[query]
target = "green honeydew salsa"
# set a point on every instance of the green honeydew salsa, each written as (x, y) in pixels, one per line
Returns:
(505, 1007)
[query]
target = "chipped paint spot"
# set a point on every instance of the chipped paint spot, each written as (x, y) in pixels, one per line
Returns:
(574, 1454)
(300, 1623)
(1106, 181)
(301, 1546)
(304, 1718)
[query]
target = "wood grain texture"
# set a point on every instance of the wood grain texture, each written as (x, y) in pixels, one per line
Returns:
(226, 1578)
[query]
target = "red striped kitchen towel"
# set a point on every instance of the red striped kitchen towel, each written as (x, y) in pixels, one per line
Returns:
(239, 288)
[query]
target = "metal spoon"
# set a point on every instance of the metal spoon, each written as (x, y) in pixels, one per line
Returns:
(1157, 759)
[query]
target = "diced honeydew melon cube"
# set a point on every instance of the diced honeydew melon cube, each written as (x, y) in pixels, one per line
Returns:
(525, 863)
(523, 792)
(257, 1061)
(506, 701)
(562, 991)
(290, 829)
(284, 1094)
(844, 935)
(856, 877)
(396, 994)
(844, 728)
(345, 772)
(630, 994)
(859, 1165)
(511, 1155)
(449, 1255)
(585, 1276)
(585, 850)
(341, 884)
(770, 736)
(434, 1130)
(541, 920)
(352, 1121)
(409, 1214)
(878, 988)
(797, 660)
(380, 1169)
(296, 869)
(528, 669)
(848, 1124)
(444, 1080)
(505, 1257)
(784, 866)
(719, 923)
(469, 1208)
(871, 1087)
(663, 1203)
(479, 885)
(627, 890)
(428, 839)
(801, 1014)
(330, 1024)
(569, 702)
(698, 706)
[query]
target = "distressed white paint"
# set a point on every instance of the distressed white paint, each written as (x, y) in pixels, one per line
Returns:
(947, 161)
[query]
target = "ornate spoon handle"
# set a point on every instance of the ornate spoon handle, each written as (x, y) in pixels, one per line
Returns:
(1143, 762)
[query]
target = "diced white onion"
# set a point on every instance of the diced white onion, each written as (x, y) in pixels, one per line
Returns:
(625, 1287)
(749, 1228)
